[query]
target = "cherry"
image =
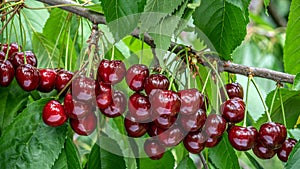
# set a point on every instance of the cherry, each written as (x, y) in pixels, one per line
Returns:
(262, 152)
(80, 110)
(286, 148)
(242, 138)
(111, 72)
(68, 104)
(272, 135)
(47, 77)
(171, 137)
(139, 107)
(191, 101)
(7, 73)
(193, 122)
(215, 125)
(165, 102)
(83, 89)
(233, 90)
(117, 107)
(27, 77)
(194, 142)
(13, 47)
(62, 79)
(17, 59)
(164, 121)
(136, 75)
(212, 141)
(134, 128)
(84, 126)
(154, 149)
(2, 55)
(104, 95)
(54, 114)
(156, 81)
(233, 110)
(154, 130)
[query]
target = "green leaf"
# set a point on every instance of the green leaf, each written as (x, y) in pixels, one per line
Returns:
(166, 162)
(95, 8)
(12, 99)
(187, 162)
(223, 156)
(291, 104)
(100, 157)
(296, 84)
(291, 47)
(28, 142)
(253, 161)
(224, 23)
(293, 160)
(69, 157)
(122, 16)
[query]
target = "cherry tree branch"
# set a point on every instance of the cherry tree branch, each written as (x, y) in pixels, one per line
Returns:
(226, 66)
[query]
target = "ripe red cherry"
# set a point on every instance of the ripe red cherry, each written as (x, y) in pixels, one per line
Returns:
(139, 107)
(47, 77)
(242, 138)
(233, 90)
(27, 77)
(154, 130)
(17, 59)
(172, 136)
(286, 148)
(54, 114)
(2, 55)
(134, 128)
(117, 107)
(212, 141)
(164, 102)
(84, 126)
(83, 89)
(13, 47)
(104, 95)
(194, 142)
(164, 121)
(111, 72)
(262, 152)
(215, 125)
(156, 81)
(154, 149)
(191, 101)
(233, 110)
(136, 75)
(272, 135)
(62, 79)
(193, 122)
(7, 73)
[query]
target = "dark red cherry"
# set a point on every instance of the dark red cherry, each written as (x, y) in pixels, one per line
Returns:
(117, 107)
(7, 73)
(194, 122)
(104, 95)
(139, 107)
(164, 121)
(62, 79)
(47, 80)
(212, 141)
(215, 125)
(134, 128)
(80, 110)
(156, 81)
(262, 152)
(272, 135)
(84, 126)
(83, 89)
(191, 101)
(2, 55)
(68, 104)
(194, 142)
(13, 47)
(286, 148)
(136, 75)
(242, 138)
(164, 102)
(54, 114)
(233, 90)
(111, 72)
(172, 136)
(233, 110)
(17, 59)
(27, 77)
(154, 130)
(154, 149)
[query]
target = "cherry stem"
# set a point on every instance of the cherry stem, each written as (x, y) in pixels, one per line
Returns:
(8, 20)
(113, 53)
(91, 58)
(246, 106)
(206, 80)
(282, 108)
(273, 99)
(56, 6)
(142, 51)
(12, 5)
(188, 68)
(172, 74)
(261, 98)
(203, 161)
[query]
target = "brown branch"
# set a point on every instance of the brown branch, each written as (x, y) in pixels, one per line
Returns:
(223, 65)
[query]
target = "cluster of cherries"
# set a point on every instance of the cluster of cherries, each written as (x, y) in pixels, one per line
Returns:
(168, 117)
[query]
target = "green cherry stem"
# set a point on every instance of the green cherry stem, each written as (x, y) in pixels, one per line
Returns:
(273, 99)
(246, 102)
(282, 108)
(206, 80)
(188, 68)
(91, 58)
(113, 53)
(261, 98)
(142, 51)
